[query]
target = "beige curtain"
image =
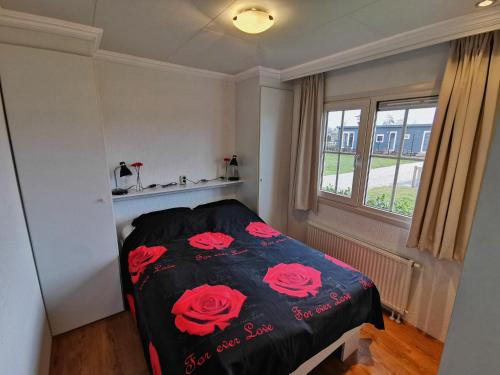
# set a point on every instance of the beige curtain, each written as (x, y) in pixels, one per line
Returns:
(305, 144)
(458, 148)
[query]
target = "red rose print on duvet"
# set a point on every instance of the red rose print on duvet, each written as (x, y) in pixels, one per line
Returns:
(154, 359)
(262, 230)
(139, 258)
(201, 309)
(340, 263)
(294, 279)
(211, 241)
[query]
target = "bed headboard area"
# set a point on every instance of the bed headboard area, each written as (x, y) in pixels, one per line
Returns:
(126, 210)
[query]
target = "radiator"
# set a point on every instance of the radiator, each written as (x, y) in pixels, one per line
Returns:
(391, 273)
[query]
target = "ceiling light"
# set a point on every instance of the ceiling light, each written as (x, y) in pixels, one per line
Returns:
(253, 21)
(485, 3)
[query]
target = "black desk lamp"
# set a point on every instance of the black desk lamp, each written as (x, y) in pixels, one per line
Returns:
(124, 171)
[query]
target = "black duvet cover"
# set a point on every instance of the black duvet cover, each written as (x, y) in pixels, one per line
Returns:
(215, 290)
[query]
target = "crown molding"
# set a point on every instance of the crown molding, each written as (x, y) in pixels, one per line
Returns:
(29, 30)
(453, 28)
(266, 77)
(258, 71)
(121, 58)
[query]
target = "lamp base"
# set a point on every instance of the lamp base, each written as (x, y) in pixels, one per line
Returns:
(119, 191)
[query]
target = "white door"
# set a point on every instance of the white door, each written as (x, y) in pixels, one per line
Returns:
(392, 141)
(54, 121)
(274, 160)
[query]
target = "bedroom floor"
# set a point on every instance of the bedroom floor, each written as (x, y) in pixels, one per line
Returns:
(112, 346)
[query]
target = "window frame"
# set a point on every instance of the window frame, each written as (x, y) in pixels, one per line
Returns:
(365, 137)
(343, 105)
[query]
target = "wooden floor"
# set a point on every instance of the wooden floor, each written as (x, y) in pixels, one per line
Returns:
(112, 346)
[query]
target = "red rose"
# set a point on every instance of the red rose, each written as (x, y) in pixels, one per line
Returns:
(294, 279)
(340, 263)
(211, 241)
(154, 359)
(139, 258)
(199, 310)
(131, 304)
(137, 164)
(260, 229)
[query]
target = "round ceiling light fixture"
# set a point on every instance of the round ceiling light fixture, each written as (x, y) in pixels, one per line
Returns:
(485, 3)
(253, 21)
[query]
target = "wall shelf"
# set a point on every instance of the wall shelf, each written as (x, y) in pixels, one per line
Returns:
(175, 189)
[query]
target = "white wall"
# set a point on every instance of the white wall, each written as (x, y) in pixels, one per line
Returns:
(420, 66)
(434, 286)
(25, 338)
(473, 343)
(174, 122)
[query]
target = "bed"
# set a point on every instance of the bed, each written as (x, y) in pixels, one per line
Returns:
(215, 290)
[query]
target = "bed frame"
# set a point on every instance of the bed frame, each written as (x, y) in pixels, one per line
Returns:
(349, 342)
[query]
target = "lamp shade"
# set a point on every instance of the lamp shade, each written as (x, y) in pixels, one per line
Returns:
(124, 171)
(253, 21)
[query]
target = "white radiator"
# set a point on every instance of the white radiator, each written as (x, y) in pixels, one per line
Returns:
(391, 273)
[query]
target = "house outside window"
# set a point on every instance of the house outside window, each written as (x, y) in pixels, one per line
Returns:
(373, 153)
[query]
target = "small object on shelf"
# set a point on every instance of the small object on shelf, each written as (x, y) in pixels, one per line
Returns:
(233, 170)
(226, 165)
(137, 165)
(169, 184)
(124, 171)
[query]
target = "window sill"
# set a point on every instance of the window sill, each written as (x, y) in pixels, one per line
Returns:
(374, 214)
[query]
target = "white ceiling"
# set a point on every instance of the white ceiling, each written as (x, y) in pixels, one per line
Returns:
(199, 33)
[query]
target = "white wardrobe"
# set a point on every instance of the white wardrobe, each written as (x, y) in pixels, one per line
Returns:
(53, 117)
(263, 134)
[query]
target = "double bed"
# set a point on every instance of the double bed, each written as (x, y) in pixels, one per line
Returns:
(215, 290)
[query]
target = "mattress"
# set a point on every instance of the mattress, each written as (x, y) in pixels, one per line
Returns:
(215, 290)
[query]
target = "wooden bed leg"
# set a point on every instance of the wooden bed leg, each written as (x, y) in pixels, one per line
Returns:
(350, 345)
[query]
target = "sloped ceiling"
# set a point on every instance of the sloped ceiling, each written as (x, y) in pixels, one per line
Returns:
(200, 34)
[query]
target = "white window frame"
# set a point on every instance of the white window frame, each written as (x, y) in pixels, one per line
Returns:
(423, 140)
(364, 105)
(365, 133)
(377, 140)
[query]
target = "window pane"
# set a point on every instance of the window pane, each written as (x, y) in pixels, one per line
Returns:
(418, 116)
(340, 147)
(390, 117)
(380, 183)
(330, 162)
(401, 134)
(346, 175)
(418, 131)
(333, 130)
(407, 187)
(388, 132)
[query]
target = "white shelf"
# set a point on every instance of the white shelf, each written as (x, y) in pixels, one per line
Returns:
(175, 189)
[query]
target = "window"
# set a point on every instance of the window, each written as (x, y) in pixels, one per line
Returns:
(382, 174)
(340, 148)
